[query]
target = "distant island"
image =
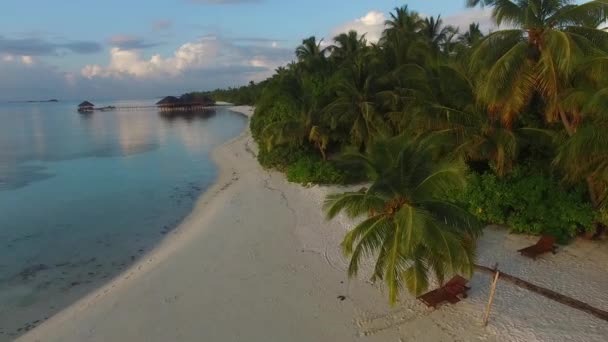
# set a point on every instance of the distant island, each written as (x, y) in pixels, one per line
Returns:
(35, 101)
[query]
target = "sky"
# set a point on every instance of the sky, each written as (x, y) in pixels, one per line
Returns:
(131, 49)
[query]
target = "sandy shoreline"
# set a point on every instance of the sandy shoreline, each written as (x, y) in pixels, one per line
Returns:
(256, 261)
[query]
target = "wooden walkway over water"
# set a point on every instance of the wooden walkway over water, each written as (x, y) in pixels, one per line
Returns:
(180, 108)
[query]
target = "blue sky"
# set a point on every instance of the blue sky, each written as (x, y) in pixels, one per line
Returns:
(74, 49)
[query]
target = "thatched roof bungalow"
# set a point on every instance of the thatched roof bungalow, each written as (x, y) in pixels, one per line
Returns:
(186, 102)
(169, 101)
(194, 99)
(86, 106)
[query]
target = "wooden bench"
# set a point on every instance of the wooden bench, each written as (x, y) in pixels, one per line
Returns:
(546, 244)
(449, 292)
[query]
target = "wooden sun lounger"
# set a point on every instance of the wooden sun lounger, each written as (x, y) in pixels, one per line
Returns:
(447, 293)
(546, 244)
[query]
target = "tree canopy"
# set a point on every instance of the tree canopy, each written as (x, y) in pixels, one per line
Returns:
(429, 107)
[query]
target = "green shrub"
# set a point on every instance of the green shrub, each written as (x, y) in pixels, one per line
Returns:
(270, 111)
(529, 202)
(282, 156)
(316, 171)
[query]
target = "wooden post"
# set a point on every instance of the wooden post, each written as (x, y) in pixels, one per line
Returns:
(486, 317)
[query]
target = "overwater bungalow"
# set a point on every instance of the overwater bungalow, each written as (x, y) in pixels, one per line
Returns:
(187, 102)
(86, 107)
(195, 99)
(168, 102)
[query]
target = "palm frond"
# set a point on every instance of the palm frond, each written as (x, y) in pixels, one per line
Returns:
(353, 203)
(590, 14)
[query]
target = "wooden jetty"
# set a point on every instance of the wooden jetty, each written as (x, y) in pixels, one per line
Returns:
(168, 104)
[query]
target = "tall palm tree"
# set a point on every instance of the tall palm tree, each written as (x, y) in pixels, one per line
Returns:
(403, 21)
(452, 119)
(347, 45)
(310, 53)
(472, 36)
(401, 39)
(542, 55)
(584, 155)
(538, 56)
(437, 35)
(303, 123)
(354, 106)
(411, 230)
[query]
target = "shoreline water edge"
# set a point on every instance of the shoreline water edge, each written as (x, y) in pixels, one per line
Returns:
(257, 261)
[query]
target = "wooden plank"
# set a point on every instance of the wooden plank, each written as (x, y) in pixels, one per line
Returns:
(571, 302)
(486, 317)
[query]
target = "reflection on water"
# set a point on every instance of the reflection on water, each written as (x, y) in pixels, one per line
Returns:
(14, 176)
(82, 196)
(187, 115)
(31, 134)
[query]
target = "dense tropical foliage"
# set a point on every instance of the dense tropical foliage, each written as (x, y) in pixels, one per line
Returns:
(245, 95)
(522, 111)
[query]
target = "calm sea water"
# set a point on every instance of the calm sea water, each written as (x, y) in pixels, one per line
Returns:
(83, 196)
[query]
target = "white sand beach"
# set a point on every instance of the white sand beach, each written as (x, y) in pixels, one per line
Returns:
(256, 261)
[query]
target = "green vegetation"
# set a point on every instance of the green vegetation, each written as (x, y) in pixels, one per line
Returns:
(524, 109)
(245, 95)
(528, 202)
(411, 226)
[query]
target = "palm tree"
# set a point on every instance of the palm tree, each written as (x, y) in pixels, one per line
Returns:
(347, 45)
(402, 21)
(472, 36)
(354, 106)
(584, 155)
(451, 120)
(304, 122)
(310, 53)
(401, 39)
(411, 229)
(437, 35)
(550, 42)
(538, 56)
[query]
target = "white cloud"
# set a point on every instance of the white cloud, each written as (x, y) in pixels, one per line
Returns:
(27, 60)
(462, 20)
(18, 59)
(207, 53)
(371, 24)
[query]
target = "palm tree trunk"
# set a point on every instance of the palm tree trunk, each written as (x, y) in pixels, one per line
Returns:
(592, 192)
(591, 184)
(566, 122)
(322, 150)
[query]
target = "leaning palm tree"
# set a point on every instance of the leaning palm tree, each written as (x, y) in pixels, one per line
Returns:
(410, 228)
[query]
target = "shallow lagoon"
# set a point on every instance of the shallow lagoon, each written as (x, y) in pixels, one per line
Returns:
(82, 196)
